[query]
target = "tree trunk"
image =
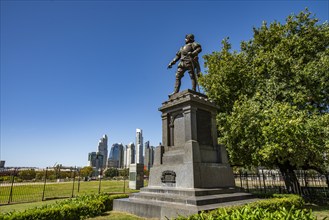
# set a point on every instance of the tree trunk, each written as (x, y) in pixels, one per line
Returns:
(327, 179)
(290, 178)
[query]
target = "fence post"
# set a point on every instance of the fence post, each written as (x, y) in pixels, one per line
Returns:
(264, 182)
(282, 188)
(11, 188)
(124, 183)
(79, 180)
(100, 180)
(260, 181)
(305, 179)
(73, 182)
(306, 189)
(240, 172)
(246, 175)
(44, 185)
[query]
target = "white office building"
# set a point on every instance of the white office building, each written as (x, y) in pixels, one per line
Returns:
(129, 154)
(139, 146)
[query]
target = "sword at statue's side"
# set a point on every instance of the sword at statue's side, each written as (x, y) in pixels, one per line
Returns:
(194, 72)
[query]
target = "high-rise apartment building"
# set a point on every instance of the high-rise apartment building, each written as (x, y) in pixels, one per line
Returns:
(149, 156)
(129, 154)
(139, 146)
(92, 159)
(146, 145)
(2, 164)
(96, 160)
(103, 149)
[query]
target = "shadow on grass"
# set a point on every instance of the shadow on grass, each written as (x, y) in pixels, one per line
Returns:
(320, 211)
(116, 216)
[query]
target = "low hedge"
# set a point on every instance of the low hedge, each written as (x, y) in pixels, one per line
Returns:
(252, 213)
(81, 207)
(280, 200)
(280, 206)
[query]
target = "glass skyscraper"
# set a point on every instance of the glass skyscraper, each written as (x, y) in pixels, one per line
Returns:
(116, 156)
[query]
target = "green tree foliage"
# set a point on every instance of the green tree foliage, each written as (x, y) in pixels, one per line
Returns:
(29, 174)
(274, 96)
(124, 172)
(111, 172)
(40, 175)
(86, 171)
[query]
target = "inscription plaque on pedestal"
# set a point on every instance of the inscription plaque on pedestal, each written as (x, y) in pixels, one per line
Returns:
(168, 176)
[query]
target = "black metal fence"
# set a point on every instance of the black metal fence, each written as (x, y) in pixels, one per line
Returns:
(17, 186)
(312, 184)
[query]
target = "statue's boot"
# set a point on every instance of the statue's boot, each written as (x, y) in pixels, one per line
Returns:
(177, 87)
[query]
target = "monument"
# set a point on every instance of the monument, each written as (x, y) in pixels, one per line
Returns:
(191, 172)
(136, 176)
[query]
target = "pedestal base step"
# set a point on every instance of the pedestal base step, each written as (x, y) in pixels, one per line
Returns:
(187, 191)
(167, 210)
(163, 203)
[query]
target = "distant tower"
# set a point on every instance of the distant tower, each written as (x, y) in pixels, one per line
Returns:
(146, 145)
(99, 161)
(2, 164)
(129, 154)
(116, 156)
(92, 159)
(139, 146)
(125, 158)
(95, 160)
(102, 149)
(149, 155)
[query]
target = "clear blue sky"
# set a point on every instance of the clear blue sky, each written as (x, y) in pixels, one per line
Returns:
(72, 71)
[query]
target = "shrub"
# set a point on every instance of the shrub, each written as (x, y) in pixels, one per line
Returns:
(280, 200)
(280, 206)
(81, 207)
(247, 212)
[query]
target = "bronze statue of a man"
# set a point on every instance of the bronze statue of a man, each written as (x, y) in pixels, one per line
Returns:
(188, 56)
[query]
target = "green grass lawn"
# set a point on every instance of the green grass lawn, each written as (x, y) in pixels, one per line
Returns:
(33, 192)
(114, 215)
(320, 211)
(24, 206)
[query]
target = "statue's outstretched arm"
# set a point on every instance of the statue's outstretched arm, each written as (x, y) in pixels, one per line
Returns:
(177, 57)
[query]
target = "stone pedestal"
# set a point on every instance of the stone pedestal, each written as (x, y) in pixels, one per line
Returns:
(191, 153)
(191, 171)
(136, 176)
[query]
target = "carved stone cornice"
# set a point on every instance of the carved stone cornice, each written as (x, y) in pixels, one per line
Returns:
(188, 96)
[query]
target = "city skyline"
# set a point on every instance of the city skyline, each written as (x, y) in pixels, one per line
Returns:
(121, 155)
(72, 71)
